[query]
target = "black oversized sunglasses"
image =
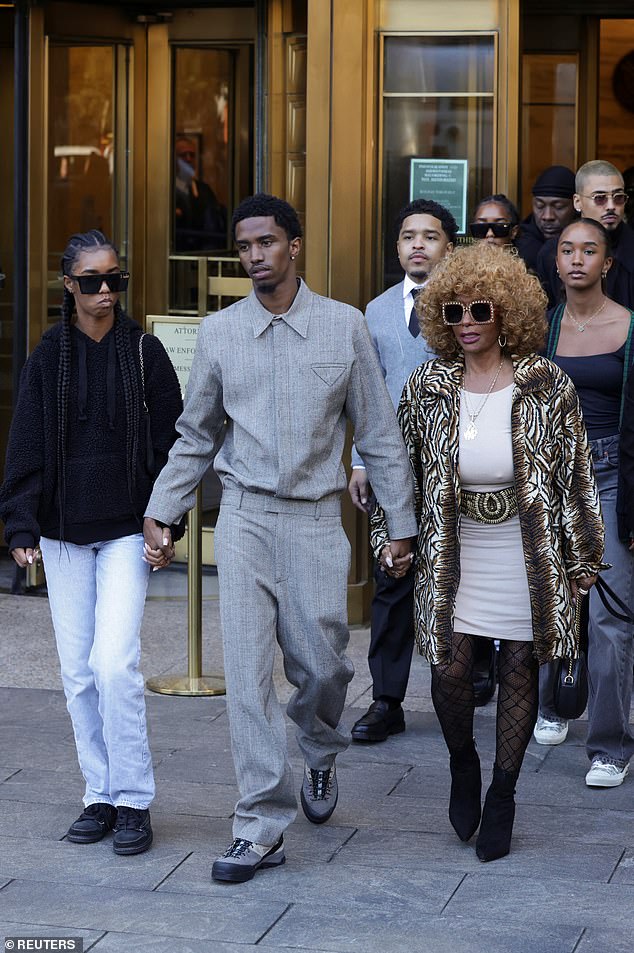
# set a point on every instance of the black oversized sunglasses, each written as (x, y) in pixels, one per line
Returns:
(482, 312)
(91, 284)
(481, 229)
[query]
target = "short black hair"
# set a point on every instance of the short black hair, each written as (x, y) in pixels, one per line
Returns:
(429, 207)
(504, 201)
(261, 205)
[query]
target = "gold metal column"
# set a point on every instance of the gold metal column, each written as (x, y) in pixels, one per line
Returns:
(194, 683)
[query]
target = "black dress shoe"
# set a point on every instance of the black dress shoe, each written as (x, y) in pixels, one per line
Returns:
(93, 824)
(379, 722)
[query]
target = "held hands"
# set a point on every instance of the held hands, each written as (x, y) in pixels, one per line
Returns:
(397, 557)
(158, 550)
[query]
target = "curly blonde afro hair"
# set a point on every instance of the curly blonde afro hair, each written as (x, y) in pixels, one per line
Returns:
(495, 274)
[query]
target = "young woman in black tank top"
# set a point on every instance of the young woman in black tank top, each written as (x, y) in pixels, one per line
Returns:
(590, 337)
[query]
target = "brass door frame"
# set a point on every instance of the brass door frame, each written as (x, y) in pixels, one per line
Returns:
(210, 29)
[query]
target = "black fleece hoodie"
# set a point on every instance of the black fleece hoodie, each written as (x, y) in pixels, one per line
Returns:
(97, 502)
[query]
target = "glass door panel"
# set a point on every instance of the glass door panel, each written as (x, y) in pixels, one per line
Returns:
(212, 170)
(87, 149)
(438, 103)
(549, 115)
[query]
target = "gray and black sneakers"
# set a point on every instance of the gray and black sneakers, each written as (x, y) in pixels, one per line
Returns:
(244, 857)
(319, 794)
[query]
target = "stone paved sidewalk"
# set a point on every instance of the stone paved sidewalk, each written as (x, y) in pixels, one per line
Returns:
(385, 875)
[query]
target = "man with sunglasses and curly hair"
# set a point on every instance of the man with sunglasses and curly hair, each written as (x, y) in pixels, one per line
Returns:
(599, 194)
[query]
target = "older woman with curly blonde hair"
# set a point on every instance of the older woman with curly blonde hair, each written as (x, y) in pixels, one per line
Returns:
(510, 525)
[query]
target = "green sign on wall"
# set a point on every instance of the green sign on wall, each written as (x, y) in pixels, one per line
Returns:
(444, 181)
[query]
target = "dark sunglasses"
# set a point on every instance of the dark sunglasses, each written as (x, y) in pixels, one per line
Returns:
(91, 284)
(482, 312)
(601, 198)
(482, 229)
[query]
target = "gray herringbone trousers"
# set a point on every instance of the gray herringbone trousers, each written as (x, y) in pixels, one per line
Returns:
(283, 570)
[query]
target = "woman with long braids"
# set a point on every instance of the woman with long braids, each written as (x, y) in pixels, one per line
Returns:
(80, 466)
(508, 511)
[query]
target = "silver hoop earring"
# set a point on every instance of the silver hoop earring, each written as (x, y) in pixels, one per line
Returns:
(604, 275)
(502, 341)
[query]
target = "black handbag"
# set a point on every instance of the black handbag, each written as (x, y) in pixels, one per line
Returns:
(570, 695)
(571, 674)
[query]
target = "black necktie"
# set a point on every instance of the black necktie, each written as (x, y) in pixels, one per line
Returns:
(413, 325)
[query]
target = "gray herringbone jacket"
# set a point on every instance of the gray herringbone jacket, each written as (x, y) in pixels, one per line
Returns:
(286, 386)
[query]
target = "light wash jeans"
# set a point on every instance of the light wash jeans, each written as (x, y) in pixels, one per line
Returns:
(97, 596)
(611, 642)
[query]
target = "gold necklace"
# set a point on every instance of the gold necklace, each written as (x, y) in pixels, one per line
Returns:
(471, 431)
(581, 327)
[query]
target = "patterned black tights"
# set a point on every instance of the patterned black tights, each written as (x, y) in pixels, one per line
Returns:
(452, 695)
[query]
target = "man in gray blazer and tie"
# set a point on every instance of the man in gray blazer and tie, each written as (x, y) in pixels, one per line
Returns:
(426, 233)
(284, 369)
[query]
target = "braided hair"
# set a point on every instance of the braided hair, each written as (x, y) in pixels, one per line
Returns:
(94, 240)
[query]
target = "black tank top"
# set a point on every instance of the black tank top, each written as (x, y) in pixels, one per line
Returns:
(598, 380)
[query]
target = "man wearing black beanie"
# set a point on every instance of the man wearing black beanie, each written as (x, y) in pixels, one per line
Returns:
(552, 211)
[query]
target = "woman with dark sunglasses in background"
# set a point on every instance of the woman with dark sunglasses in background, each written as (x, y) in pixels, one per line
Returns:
(592, 338)
(80, 466)
(496, 221)
(508, 511)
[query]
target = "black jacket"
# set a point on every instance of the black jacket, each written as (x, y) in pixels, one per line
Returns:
(529, 242)
(620, 278)
(98, 503)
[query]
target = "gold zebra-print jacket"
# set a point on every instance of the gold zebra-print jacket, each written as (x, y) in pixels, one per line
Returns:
(558, 502)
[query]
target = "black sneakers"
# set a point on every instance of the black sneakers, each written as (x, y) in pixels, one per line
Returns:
(93, 824)
(241, 860)
(132, 831)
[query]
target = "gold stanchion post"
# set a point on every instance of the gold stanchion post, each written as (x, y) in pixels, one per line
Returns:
(194, 683)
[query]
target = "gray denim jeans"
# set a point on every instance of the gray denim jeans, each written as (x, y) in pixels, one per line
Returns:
(611, 642)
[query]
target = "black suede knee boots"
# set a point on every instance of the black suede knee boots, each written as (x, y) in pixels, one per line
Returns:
(494, 839)
(466, 790)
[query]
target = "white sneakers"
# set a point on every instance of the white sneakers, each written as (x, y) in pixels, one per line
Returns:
(602, 774)
(549, 731)
(605, 774)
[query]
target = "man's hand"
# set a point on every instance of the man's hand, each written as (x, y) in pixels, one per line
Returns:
(158, 550)
(359, 489)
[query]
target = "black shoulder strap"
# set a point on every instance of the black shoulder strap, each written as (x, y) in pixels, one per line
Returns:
(608, 595)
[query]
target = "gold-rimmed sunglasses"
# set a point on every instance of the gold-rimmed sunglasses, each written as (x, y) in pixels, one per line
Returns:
(482, 311)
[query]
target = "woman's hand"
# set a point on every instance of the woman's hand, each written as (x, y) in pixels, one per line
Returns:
(26, 557)
(583, 585)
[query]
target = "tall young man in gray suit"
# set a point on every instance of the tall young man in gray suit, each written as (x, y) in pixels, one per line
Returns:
(426, 233)
(286, 369)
